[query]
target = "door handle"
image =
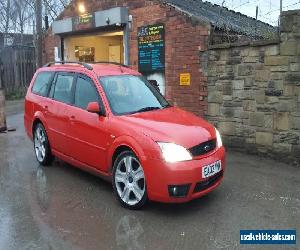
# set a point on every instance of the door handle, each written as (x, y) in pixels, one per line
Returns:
(46, 109)
(72, 119)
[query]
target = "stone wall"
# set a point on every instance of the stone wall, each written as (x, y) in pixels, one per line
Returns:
(254, 92)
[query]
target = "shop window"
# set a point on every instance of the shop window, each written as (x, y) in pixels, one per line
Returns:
(85, 54)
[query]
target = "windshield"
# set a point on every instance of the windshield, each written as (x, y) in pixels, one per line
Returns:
(128, 94)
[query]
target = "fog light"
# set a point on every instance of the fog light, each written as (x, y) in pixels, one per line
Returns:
(179, 191)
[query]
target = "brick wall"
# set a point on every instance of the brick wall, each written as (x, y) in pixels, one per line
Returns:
(254, 92)
(185, 37)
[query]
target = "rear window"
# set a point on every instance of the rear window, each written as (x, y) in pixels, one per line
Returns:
(63, 88)
(41, 83)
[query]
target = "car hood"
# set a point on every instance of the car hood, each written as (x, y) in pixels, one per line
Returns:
(171, 125)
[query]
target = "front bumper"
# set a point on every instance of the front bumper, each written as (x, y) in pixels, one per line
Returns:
(161, 175)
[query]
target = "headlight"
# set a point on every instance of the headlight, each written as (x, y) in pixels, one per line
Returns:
(173, 152)
(219, 139)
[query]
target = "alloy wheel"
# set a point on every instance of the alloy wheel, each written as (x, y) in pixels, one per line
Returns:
(130, 180)
(40, 144)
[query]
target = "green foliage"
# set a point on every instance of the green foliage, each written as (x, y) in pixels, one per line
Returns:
(15, 94)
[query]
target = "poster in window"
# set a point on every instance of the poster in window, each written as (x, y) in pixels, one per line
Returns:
(151, 48)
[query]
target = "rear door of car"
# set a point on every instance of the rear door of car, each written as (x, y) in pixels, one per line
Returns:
(61, 94)
(88, 131)
(37, 98)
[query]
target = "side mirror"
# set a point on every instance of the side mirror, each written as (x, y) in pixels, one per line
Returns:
(93, 107)
(155, 84)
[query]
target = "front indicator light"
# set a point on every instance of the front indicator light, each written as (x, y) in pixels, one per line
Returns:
(174, 153)
(219, 139)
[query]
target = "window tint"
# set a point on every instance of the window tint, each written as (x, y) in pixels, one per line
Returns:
(41, 83)
(85, 93)
(63, 88)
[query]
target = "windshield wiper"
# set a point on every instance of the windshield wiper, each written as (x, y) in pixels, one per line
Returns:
(147, 109)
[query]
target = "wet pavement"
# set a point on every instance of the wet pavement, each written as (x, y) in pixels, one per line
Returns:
(13, 107)
(61, 207)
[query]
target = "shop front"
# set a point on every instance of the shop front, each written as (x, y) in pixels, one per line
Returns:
(92, 37)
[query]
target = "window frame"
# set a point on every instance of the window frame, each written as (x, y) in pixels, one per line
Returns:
(49, 83)
(74, 84)
(92, 83)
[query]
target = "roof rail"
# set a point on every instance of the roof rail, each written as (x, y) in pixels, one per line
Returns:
(86, 65)
(115, 63)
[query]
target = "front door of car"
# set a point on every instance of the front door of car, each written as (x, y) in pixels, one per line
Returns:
(60, 98)
(88, 131)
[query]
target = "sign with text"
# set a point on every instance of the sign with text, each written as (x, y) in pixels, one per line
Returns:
(185, 79)
(151, 48)
(268, 236)
(86, 21)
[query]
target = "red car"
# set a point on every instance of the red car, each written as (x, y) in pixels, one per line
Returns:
(109, 120)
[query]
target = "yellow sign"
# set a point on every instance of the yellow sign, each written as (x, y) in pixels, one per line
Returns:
(185, 79)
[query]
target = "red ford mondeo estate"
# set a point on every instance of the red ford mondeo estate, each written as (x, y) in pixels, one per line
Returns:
(109, 120)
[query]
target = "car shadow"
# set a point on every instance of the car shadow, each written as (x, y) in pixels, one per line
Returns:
(176, 209)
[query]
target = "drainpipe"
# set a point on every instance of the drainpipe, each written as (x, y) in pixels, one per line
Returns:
(126, 45)
(62, 49)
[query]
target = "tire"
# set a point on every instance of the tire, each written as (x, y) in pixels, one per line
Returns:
(129, 181)
(42, 148)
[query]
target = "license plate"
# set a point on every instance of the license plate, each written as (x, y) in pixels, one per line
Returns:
(211, 169)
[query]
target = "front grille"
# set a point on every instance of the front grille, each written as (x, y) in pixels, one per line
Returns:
(203, 148)
(200, 186)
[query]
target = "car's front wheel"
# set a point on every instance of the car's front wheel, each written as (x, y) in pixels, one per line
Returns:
(41, 145)
(129, 181)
